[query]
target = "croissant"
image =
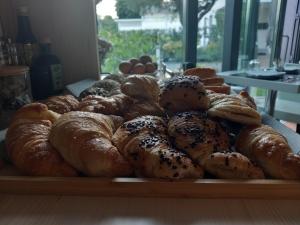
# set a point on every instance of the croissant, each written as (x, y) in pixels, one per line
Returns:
(84, 141)
(232, 165)
(270, 150)
(232, 108)
(62, 104)
(197, 135)
(114, 105)
(142, 108)
(28, 146)
(141, 87)
(183, 93)
(144, 143)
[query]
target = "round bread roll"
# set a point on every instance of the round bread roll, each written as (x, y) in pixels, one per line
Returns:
(183, 93)
(139, 68)
(150, 68)
(125, 67)
(145, 59)
(134, 61)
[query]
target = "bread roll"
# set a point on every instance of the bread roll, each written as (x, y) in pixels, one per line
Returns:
(183, 93)
(202, 73)
(138, 68)
(270, 150)
(125, 67)
(84, 141)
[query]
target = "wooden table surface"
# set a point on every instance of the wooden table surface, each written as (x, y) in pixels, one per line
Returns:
(52, 210)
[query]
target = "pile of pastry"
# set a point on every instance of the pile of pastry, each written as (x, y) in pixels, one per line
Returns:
(179, 130)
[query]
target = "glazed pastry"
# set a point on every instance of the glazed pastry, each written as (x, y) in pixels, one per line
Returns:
(143, 108)
(222, 89)
(213, 81)
(141, 87)
(232, 108)
(28, 146)
(114, 105)
(183, 93)
(232, 165)
(144, 143)
(84, 141)
(270, 150)
(246, 98)
(62, 104)
(197, 135)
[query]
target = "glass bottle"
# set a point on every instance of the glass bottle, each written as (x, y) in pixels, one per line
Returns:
(27, 42)
(46, 73)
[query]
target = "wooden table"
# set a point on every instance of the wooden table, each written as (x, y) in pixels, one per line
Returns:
(62, 209)
(52, 210)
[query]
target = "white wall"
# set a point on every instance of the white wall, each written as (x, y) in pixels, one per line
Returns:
(71, 25)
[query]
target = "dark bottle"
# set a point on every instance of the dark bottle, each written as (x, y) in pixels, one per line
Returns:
(27, 42)
(46, 74)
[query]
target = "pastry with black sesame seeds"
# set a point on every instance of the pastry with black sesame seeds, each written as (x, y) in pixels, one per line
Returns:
(144, 143)
(183, 93)
(197, 135)
(232, 165)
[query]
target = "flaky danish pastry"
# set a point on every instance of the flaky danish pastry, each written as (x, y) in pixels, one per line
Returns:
(62, 104)
(144, 143)
(114, 105)
(28, 146)
(141, 87)
(183, 93)
(270, 150)
(232, 108)
(84, 141)
(232, 165)
(197, 135)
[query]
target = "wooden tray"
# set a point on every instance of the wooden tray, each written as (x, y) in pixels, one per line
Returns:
(12, 183)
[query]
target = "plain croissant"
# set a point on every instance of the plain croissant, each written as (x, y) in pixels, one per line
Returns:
(28, 146)
(270, 150)
(84, 141)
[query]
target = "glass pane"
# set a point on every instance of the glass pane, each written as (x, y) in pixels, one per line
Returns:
(210, 34)
(132, 28)
(257, 36)
(257, 32)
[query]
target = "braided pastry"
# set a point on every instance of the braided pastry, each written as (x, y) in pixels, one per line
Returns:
(84, 141)
(232, 108)
(141, 87)
(270, 150)
(197, 135)
(144, 143)
(62, 104)
(28, 146)
(183, 93)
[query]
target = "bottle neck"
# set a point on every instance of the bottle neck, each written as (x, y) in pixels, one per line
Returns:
(25, 35)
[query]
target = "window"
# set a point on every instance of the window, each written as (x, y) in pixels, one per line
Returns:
(131, 28)
(210, 34)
